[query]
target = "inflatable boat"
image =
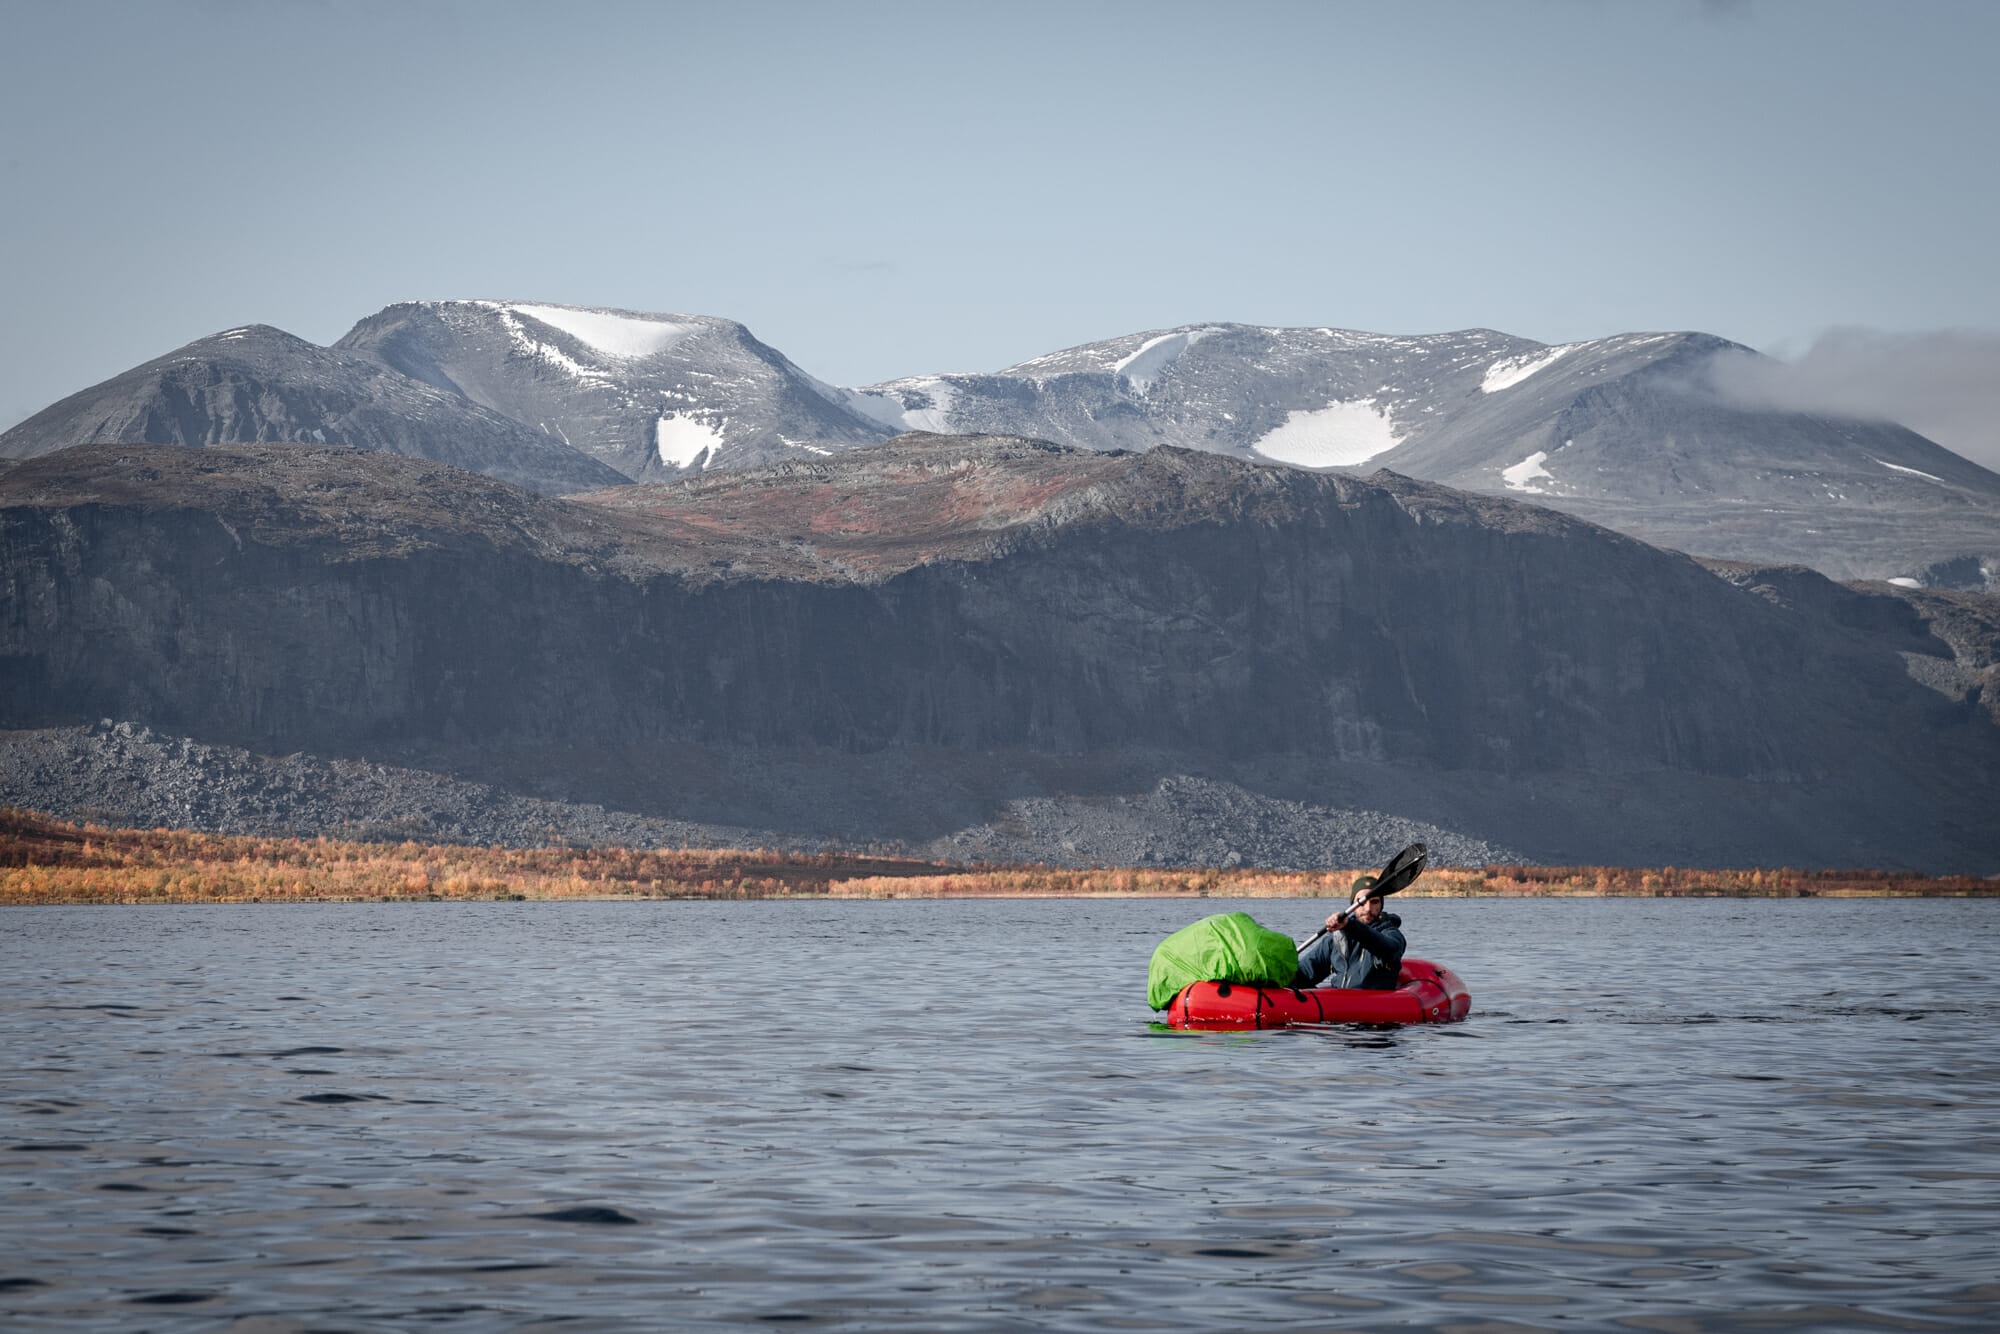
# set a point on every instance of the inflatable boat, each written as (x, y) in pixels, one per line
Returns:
(1426, 994)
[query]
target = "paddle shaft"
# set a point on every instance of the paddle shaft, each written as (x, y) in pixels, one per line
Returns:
(1324, 929)
(1401, 872)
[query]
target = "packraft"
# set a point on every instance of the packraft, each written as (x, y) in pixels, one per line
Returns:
(1427, 993)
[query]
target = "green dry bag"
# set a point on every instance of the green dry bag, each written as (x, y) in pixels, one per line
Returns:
(1228, 947)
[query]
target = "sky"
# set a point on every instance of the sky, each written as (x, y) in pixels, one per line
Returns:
(880, 190)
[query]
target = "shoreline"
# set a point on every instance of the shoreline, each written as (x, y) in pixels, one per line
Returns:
(307, 899)
(48, 862)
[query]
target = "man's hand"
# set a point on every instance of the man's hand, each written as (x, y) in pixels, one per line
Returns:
(1336, 922)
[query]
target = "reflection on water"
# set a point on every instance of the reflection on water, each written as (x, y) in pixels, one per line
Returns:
(1670, 1116)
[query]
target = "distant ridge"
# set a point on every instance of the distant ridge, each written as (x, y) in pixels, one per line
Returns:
(1629, 431)
(1636, 432)
(259, 385)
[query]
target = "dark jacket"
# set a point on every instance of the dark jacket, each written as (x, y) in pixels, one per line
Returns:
(1356, 956)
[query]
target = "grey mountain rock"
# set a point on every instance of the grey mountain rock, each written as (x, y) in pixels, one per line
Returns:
(258, 384)
(1637, 432)
(118, 774)
(940, 636)
(653, 396)
(1644, 433)
(1948, 638)
(1959, 572)
(122, 775)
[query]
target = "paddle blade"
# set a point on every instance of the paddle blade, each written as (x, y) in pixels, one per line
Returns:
(1402, 870)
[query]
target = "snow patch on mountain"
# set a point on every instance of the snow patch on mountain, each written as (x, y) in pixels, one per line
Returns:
(920, 403)
(623, 337)
(548, 352)
(1147, 364)
(1524, 475)
(1897, 467)
(1339, 435)
(683, 441)
(1510, 371)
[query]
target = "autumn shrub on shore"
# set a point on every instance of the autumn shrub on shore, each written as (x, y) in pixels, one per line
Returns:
(52, 861)
(1440, 882)
(47, 861)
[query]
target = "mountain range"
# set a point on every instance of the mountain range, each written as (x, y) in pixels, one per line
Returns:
(989, 644)
(1637, 432)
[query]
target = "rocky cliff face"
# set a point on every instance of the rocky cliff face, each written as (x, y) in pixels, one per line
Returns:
(946, 598)
(1911, 622)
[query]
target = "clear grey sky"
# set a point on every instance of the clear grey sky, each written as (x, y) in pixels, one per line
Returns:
(888, 189)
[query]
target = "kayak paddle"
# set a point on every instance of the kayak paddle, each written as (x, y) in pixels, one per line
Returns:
(1401, 872)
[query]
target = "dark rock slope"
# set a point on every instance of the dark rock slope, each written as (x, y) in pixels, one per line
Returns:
(122, 775)
(918, 634)
(1948, 639)
(258, 384)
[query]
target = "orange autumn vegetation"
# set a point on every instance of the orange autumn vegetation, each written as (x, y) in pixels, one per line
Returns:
(1437, 883)
(50, 861)
(46, 861)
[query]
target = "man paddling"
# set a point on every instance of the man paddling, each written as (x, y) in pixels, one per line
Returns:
(1362, 945)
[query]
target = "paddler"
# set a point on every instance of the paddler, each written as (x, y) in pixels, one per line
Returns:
(1363, 945)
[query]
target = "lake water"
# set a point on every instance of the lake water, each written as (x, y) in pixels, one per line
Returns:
(1669, 1116)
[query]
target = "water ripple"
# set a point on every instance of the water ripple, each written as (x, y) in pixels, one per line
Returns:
(1667, 1116)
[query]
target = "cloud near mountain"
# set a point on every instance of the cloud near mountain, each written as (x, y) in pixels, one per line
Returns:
(1941, 383)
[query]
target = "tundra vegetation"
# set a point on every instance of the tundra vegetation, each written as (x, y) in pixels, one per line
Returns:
(48, 861)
